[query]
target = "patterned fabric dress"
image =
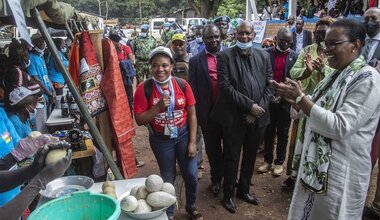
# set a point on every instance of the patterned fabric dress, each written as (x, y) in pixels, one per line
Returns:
(332, 154)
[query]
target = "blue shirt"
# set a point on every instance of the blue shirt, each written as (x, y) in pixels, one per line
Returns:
(9, 137)
(38, 68)
(54, 74)
(23, 129)
(195, 47)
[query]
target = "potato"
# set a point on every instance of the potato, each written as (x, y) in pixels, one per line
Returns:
(153, 183)
(168, 188)
(160, 199)
(141, 193)
(54, 156)
(108, 184)
(108, 190)
(129, 203)
(142, 207)
(134, 191)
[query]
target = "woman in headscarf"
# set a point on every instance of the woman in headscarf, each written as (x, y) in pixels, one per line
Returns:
(338, 122)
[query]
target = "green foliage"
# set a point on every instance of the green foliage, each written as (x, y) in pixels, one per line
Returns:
(232, 8)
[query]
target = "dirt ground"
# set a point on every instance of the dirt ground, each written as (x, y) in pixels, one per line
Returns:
(274, 203)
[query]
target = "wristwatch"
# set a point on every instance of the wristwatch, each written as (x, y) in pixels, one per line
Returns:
(299, 98)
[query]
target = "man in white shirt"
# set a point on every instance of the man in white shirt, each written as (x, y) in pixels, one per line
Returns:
(301, 37)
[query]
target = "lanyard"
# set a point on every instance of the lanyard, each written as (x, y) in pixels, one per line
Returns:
(170, 110)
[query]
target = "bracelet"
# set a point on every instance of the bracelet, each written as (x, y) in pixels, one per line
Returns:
(299, 98)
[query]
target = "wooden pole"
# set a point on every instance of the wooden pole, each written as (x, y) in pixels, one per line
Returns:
(69, 31)
(82, 107)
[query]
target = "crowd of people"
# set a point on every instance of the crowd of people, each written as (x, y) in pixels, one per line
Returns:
(311, 95)
(308, 94)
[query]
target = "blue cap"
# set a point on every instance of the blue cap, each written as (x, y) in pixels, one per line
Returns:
(222, 19)
(144, 26)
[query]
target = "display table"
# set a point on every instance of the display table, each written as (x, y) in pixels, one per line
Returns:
(55, 119)
(121, 187)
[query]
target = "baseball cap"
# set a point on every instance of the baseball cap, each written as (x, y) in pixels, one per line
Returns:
(180, 37)
(160, 50)
(20, 93)
(36, 36)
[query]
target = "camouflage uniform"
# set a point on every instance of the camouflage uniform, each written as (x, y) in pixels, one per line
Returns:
(143, 46)
(166, 36)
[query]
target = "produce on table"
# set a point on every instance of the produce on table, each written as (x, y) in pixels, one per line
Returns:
(153, 183)
(134, 191)
(129, 203)
(109, 189)
(54, 156)
(142, 207)
(160, 199)
(141, 193)
(169, 188)
(141, 200)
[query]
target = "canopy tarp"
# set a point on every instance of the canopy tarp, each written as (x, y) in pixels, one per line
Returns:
(52, 11)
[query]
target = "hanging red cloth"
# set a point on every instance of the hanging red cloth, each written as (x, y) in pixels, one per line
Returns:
(117, 100)
(90, 76)
(74, 60)
(372, 3)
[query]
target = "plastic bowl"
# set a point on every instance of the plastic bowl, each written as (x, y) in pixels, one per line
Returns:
(79, 205)
(148, 215)
(66, 185)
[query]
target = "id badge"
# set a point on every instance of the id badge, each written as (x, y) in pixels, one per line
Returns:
(167, 130)
(173, 131)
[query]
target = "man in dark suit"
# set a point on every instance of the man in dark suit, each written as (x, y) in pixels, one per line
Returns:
(301, 37)
(242, 109)
(282, 60)
(204, 82)
(371, 53)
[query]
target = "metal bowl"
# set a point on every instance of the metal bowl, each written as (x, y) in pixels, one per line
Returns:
(66, 185)
(143, 216)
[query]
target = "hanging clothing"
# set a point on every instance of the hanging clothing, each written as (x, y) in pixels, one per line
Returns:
(122, 122)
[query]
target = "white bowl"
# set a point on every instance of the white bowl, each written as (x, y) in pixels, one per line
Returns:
(66, 185)
(148, 215)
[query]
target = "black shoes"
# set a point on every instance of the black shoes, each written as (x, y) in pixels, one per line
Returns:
(288, 184)
(215, 188)
(249, 198)
(229, 204)
(369, 214)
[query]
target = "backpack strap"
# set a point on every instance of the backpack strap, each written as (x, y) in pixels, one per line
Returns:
(148, 86)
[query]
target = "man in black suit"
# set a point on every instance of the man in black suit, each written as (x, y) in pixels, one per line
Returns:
(282, 60)
(301, 37)
(204, 82)
(371, 53)
(242, 109)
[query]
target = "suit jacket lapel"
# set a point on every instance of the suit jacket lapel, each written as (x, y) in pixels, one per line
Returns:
(204, 65)
(255, 69)
(238, 62)
(304, 38)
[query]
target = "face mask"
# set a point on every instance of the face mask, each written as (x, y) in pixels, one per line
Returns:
(199, 40)
(63, 50)
(32, 115)
(282, 51)
(320, 36)
(162, 82)
(41, 52)
(143, 34)
(244, 46)
(372, 28)
(167, 28)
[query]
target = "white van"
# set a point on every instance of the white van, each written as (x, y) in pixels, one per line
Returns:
(155, 25)
(189, 22)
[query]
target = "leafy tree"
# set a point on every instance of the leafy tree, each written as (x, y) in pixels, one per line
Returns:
(205, 8)
(232, 8)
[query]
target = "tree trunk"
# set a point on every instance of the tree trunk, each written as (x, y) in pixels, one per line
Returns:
(206, 8)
